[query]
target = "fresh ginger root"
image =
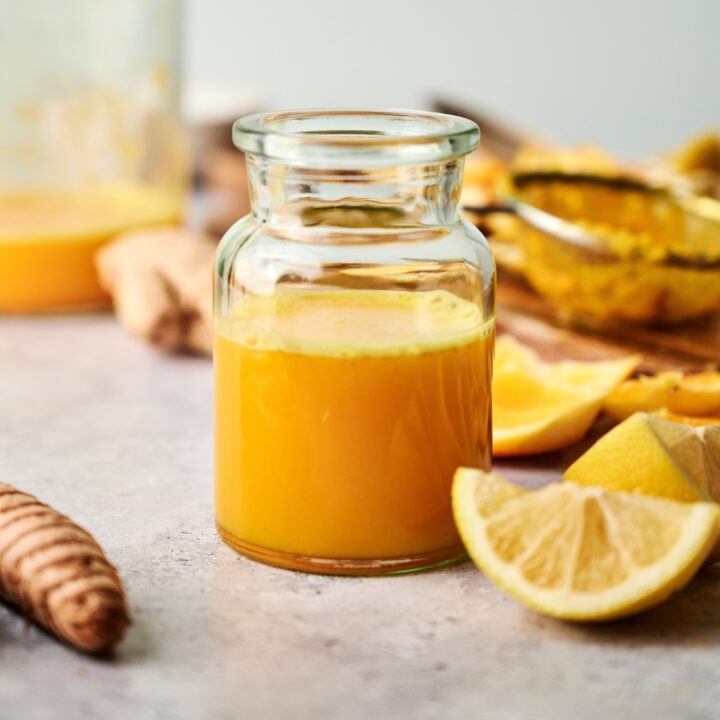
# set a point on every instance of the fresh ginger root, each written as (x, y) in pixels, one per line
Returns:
(58, 575)
(160, 280)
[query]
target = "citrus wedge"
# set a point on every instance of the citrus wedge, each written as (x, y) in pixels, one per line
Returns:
(655, 456)
(511, 355)
(540, 406)
(694, 395)
(698, 394)
(577, 553)
(643, 394)
(686, 419)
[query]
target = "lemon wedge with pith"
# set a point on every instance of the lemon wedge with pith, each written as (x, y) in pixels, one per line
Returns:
(655, 456)
(580, 553)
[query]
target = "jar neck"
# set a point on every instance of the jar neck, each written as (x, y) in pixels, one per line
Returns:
(416, 196)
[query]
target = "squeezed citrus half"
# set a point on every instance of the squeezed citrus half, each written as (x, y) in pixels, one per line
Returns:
(694, 395)
(543, 406)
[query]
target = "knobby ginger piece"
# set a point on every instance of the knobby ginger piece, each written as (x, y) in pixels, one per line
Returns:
(58, 575)
(160, 280)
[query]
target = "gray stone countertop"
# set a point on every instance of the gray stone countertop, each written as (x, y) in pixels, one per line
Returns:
(120, 438)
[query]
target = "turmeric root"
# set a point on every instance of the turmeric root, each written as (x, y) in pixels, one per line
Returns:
(58, 575)
(160, 280)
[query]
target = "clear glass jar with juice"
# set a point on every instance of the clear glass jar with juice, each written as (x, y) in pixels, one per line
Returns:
(91, 142)
(354, 325)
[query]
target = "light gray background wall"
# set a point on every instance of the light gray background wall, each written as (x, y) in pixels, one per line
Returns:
(634, 75)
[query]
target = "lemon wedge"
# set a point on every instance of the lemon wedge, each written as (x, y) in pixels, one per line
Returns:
(541, 406)
(578, 553)
(655, 456)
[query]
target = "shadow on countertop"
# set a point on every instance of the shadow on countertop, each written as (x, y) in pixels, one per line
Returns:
(690, 617)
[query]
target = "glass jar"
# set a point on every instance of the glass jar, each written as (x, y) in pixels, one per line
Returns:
(354, 325)
(91, 142)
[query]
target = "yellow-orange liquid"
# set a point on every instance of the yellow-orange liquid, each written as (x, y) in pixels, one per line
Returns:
(48, 239)
(341, 416)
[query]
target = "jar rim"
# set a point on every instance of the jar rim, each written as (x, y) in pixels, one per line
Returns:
(355, 138)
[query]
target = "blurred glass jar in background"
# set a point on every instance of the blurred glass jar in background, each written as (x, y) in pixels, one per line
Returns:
(91, 141)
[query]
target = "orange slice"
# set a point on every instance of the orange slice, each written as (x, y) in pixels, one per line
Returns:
(540, 406)
(686, 419)
(696, 395)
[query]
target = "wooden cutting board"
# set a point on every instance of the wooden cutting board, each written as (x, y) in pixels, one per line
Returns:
(525, 315)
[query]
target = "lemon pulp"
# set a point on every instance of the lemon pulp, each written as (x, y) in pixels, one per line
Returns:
(581, 553)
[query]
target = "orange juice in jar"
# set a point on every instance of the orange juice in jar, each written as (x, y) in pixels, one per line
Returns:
(353, 345)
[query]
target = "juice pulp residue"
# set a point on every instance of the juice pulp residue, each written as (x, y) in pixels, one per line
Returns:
(341, 416)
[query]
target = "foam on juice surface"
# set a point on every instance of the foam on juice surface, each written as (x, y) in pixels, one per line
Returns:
(349, 323)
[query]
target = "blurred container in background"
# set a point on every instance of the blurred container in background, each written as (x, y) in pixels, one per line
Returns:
(91, 141)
